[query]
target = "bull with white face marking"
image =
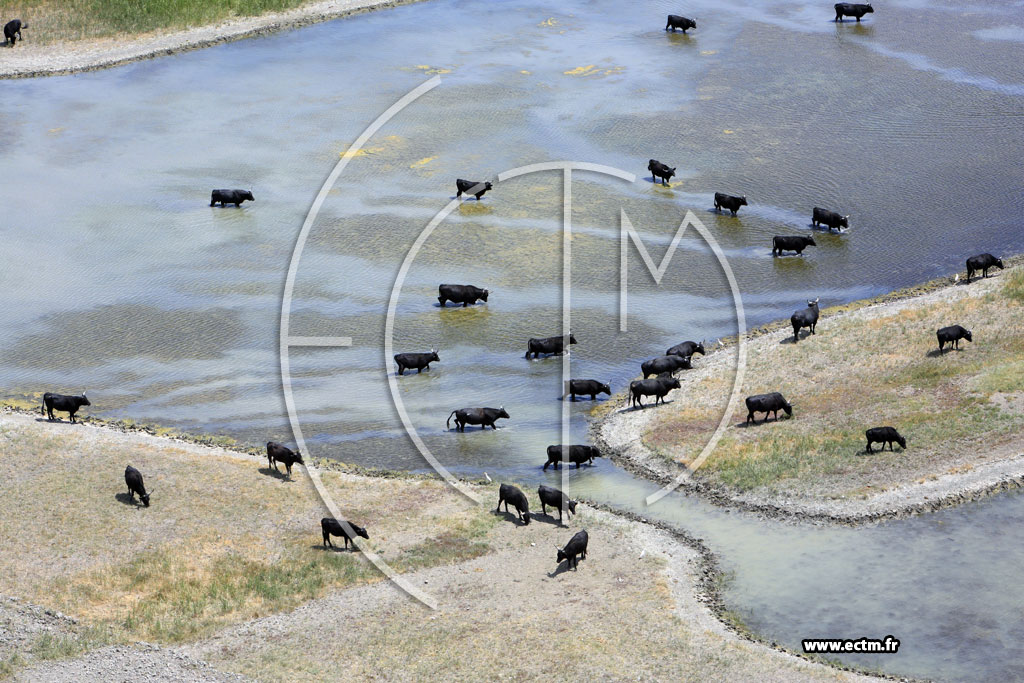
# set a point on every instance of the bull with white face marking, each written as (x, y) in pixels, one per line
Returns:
(12, 31)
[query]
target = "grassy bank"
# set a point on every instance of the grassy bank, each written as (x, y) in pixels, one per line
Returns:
(225, 540)
(872, 367)
(53, 21)
(226, 566)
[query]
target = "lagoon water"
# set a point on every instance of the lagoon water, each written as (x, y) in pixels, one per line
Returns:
(121, 280)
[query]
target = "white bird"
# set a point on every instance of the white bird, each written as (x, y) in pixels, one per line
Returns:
(957, 278)
(721, 343)
(487, 477)
(642, 553)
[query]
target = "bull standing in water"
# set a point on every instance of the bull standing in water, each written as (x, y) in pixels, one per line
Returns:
(852, 10)
(236, 197)
(547, 345)
(683, 23)
(730, 202)
(485, 417)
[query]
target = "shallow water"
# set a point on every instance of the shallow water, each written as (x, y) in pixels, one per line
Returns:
(120, 279)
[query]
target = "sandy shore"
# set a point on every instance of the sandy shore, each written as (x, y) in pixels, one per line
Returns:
(28, 60)
(972, 475)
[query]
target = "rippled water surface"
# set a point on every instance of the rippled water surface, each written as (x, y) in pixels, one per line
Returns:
(121, 280)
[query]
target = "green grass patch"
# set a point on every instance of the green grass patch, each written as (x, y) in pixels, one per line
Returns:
(1013, 285)
(9, 665)
(763, 462)
(166, 598)
(51, 646)
(879, 369)
(59, 20)
(170, 596)
(464, 542)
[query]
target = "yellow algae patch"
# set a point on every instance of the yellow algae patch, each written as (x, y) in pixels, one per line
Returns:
(366, 151)
(728, 132)
(421, 162)
(580, 70)
(594, 70)
(548, 22)
(709, 52)
(426, 68)
(474, 208)
(524, 71)
(56, 131)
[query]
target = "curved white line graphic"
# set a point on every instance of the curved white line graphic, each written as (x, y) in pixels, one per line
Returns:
(285, 337)
(741, 365)
(396, 290)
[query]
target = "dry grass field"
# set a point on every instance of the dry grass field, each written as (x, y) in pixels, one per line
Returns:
(873, 367)
(226, 569)
(55, 21)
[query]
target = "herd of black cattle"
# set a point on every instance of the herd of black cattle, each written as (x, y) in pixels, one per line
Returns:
(677, 358)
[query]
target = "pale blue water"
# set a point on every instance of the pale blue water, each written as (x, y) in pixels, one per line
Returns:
(121, 280)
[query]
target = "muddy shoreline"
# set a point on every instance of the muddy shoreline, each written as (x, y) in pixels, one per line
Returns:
(61, 59)
(620, 435)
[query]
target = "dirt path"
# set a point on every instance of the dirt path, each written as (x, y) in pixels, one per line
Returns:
(30, 60)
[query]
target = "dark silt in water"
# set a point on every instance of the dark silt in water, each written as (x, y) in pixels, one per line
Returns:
(121, 280)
